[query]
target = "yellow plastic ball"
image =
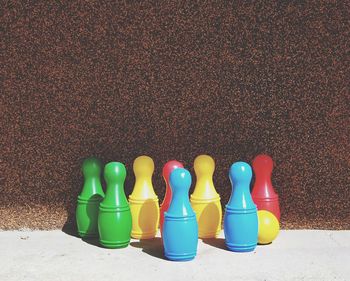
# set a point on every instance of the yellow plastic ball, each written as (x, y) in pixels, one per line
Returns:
(269, 227)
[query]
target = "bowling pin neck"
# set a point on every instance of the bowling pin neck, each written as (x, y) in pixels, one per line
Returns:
(115, 195)
(263, 179)
(204, 189)
(263, 176)
(263, 188)
(167, 169)
(92, 186)
(168, 193)
(180, 205)
(240, 197)
(143, 189)
(180, 182)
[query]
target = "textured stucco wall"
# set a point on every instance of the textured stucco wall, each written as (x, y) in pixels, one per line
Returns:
(171, 81)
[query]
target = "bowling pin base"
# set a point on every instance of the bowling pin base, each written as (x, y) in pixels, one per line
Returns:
(145, 217)
(184, 257)
(262, 244)
(86, 216)
(143, 235)
(114, 245)
(180, 237)
(241, 248)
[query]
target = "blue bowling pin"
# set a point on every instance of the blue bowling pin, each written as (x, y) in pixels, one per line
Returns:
(241, 219)
(180, 229)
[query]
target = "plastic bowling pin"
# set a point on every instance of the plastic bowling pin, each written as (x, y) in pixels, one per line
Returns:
(143, 200)
(241, 220)
(114, 220)
(89, 199)
(180, 229)
(167, 169)
(263, 192)
(205, 200)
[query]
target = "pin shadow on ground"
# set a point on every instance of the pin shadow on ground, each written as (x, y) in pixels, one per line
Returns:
(152, 247)
(215, 242)
(93, 241)
(70, 228)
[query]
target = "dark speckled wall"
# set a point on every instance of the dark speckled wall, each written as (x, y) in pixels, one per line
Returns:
(81, 78)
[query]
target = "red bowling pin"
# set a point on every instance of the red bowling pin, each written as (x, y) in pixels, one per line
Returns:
(167, 169)
(264, 196)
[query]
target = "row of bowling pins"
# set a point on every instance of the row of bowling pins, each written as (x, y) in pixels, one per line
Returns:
(99, 213)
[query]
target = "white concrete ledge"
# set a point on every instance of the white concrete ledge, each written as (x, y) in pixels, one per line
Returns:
(54, 255)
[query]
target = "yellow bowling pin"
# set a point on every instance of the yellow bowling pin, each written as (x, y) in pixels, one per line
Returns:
(205, 200)
(143, 200)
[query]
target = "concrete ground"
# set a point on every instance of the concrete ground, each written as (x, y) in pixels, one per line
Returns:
(55, 255)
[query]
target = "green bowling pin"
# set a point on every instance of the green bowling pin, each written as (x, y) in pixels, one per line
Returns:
(89, 199)
(114, 220)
